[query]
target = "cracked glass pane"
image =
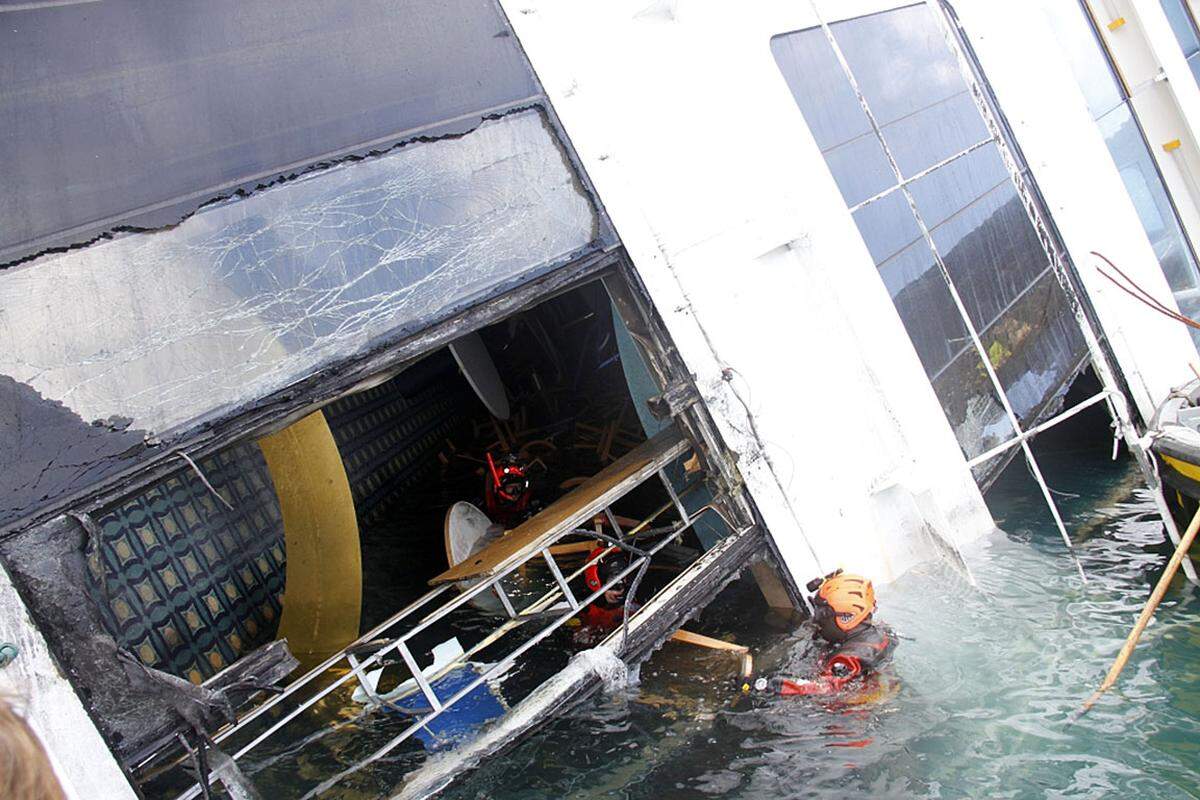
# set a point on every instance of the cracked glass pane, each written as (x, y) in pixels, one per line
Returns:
(1032, 345)
(972, 406)
(153, 333)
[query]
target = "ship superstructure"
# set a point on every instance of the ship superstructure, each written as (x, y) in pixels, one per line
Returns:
(700, 287)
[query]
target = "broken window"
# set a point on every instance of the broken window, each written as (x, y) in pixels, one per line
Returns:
(886, 100)
(1113, 111)
(159, 332)
(545, 441)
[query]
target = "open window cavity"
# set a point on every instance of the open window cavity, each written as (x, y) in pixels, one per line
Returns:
(430, 545)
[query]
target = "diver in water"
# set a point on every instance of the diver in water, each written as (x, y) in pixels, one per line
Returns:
(606, 613)
(855, 646)
(507, 492)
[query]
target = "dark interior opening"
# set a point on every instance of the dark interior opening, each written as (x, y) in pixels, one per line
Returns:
(418, 443)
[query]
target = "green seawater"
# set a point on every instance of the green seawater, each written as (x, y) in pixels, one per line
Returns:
(983, 688)
(980, 699)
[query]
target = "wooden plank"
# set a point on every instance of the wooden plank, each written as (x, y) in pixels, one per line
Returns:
(571, 510)
(574, 547)
(700, 640)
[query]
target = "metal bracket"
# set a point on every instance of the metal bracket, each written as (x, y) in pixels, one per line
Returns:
(675, 399)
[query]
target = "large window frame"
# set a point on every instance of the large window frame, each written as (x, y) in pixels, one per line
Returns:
(1127, 100)
(1018, 171)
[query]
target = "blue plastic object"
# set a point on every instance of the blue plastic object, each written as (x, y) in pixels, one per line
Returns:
(462, 719)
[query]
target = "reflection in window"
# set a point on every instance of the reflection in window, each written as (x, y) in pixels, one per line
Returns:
(1183, 25)
(950, 168)
(1114, 115)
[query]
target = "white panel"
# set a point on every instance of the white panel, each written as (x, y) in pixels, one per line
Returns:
(85, 767)
(731, 217)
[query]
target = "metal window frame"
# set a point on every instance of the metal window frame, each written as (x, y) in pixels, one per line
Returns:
(1001, 135)
(1127, 100)
(533, 612)
(1101, 356)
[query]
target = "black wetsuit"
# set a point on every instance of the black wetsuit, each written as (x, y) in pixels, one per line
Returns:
(865, 650)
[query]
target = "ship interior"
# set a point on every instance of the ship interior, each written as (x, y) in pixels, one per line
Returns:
(427, 544)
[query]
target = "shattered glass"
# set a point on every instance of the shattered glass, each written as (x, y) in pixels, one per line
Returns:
(972, 407)
(1031, 344)
(151, 333)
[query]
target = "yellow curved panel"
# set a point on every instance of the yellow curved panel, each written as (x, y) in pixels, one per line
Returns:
(322, 594)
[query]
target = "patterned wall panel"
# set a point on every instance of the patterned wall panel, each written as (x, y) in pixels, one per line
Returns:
(190, 585)
(389, 435)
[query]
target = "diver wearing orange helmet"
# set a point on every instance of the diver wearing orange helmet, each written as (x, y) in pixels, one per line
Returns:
(842, 612)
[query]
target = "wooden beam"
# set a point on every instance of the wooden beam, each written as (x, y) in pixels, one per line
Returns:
(700, 640)
(571, 510)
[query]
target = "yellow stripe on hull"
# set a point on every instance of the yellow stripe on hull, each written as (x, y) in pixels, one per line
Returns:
(1184, 468)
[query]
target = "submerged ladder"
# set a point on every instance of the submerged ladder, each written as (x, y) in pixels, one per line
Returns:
(528, 542)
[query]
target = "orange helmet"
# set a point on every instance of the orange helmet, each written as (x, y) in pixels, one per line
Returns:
(851, 597)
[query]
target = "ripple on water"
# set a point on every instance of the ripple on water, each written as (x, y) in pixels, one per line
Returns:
(989, 680)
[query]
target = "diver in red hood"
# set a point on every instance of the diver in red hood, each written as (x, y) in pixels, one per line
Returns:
(843, 609)
(606, 613)
(506, 490)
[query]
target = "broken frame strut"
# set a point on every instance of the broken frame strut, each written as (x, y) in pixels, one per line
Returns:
(529, 541)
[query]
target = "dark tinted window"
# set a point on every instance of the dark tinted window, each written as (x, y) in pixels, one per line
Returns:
(149, 108)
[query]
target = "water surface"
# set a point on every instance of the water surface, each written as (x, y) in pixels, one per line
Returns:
(983, 687)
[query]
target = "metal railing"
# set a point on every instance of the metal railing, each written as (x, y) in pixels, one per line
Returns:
(539, 609)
